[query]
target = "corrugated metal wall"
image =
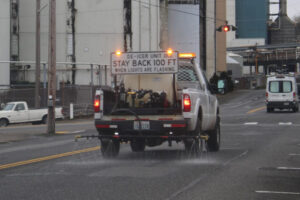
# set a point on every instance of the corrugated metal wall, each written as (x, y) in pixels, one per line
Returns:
(285, 33)
(4, 42)
(251, 18)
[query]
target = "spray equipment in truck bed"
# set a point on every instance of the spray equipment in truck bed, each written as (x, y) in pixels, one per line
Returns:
(129, 98)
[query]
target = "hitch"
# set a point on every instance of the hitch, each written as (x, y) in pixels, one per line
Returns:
(77, 137)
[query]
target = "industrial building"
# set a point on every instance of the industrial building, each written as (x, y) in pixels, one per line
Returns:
(5, 43)
(280, 48)
(251, 18)
(88, 31)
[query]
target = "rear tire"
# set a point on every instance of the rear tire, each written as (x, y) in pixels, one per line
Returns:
(3, 122)
(214, 140)
(295, 109)
(110, 148)
(44, 120)
(138, 145)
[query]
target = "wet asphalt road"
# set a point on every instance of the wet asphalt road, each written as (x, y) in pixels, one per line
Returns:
(259, 159)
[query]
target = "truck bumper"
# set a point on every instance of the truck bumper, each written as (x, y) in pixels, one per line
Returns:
(282, 105)
(128, 129)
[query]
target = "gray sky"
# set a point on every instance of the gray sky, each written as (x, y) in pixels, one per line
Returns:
(293, 8)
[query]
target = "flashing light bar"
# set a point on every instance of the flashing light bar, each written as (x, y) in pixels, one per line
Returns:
(187, 55)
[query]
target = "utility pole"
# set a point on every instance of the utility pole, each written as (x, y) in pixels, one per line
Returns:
(37, 54)
(215, 36)
(52, 68)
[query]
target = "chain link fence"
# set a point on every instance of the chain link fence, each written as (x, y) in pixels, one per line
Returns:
(80, 96)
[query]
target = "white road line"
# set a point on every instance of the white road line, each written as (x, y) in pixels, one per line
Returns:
(294, 154)
(285, 123)
(80, 131)
(288, 168)
(250, 123)
(276, 192)
(235, 158)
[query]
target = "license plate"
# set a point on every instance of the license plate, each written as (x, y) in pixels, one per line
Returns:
(145, 125)
(286, 103)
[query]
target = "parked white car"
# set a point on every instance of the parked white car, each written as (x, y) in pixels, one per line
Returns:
(18, 112)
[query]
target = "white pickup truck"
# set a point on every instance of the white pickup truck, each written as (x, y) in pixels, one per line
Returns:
(18, 112)
(188, 112)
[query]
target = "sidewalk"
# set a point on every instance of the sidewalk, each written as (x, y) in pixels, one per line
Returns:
(225, 98)
(20, 132)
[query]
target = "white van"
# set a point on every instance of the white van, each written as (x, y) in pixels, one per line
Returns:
(281, 93)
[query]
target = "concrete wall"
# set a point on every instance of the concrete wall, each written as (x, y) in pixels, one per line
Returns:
(183, 28)
(231, 18)
(99, 30)
(27, 34)
(146, 25)
(221, 36)
(4, 43)
(210, 39)
(246, 42)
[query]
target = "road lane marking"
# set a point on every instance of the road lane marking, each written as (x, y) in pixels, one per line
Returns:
(285, 123)
(69, 132)
(250, 123)
(276, 192)
(288, 168)
(280, 168)
(62, 132)
(256, 109)
(26, 162)
(294, 154)
(236, 158)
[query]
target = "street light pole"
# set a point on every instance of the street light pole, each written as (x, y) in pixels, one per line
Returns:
(37, 55)
(52, 68)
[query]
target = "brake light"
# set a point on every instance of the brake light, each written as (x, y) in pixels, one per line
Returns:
(186, 103)
(267, 96)
(294, 95)
(97, 103)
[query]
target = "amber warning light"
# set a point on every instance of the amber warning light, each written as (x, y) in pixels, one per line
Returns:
(118, 53)
(187, 55)
(170, 52)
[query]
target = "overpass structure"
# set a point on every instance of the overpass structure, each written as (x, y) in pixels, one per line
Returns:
(278, 57)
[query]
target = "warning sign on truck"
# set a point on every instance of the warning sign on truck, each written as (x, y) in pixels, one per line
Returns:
(160, 62)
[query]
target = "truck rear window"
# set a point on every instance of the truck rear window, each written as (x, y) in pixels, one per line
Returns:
(187, 73)
(280, 86)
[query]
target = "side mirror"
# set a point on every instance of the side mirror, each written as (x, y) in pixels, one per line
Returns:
(2, 106)
(213, 89)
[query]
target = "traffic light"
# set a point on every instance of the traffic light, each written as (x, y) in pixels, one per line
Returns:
(226, 28)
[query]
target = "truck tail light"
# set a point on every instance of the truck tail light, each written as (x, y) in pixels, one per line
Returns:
(97, 103)
(294, 95)
(186, 103)
(267, 95)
